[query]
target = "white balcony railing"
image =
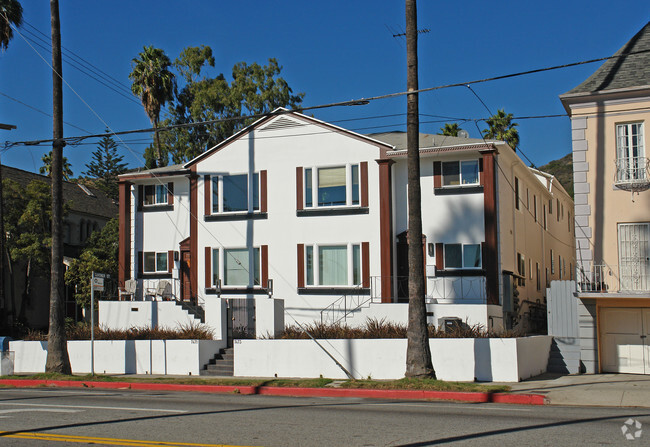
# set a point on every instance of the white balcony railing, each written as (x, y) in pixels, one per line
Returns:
(444, 289)
(632, 173)
(613, 279)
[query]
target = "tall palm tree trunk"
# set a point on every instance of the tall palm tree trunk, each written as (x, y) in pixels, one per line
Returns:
(57, 347)
(418, 353)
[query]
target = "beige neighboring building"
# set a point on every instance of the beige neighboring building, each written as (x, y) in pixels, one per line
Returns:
(610, 113)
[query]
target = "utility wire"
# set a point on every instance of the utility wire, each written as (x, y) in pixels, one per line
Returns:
(354, 102)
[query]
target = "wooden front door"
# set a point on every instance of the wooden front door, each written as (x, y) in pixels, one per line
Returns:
(186, 284)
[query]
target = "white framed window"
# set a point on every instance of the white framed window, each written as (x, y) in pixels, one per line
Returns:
(333, 265)
(460, 173)
(230, 193)
(331, 186)
(630, 152)
(154, 262)
(236, 267)
(155, 195)
(462, 256)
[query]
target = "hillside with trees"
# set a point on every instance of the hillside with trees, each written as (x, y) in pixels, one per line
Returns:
(562, 169)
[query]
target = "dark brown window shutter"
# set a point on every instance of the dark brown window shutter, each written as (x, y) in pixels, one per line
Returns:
(140, 264)
(140, 197)
(170, 261)
(263, 193)
(299, 189)
(437, 174)
(170, 193)
(440, 256)
(363, 182)
(365, 265)
(264, 255)
(207, 193)
(480, 172)
(301, 266)
(208, 267)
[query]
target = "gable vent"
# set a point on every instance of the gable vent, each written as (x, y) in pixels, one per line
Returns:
(281, 123)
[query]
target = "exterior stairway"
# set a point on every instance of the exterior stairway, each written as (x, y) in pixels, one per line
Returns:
(196, 311)
(222, 364)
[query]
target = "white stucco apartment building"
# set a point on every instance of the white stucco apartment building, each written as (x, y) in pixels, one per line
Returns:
(315, 215)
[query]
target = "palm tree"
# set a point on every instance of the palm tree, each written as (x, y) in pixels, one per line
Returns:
(154, 84)
(502, 128)
(450, 130)
(11, 14)
(46, 169)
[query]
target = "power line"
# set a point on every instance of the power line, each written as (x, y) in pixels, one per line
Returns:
(354, 102)
(40, 111)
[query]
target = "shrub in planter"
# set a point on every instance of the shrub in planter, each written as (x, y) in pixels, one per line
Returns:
(81, 331)
(374, 328)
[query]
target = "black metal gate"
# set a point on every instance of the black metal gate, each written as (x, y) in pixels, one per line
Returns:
(241, 319)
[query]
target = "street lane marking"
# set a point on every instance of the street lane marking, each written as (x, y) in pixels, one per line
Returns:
(92, 407)
(103, 441)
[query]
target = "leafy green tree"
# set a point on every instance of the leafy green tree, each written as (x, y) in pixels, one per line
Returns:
(47, 167)
(502, 128)
(105, 166)
(100, 255)
(255, 89)
(11, 14)
(154, 84)
(450, 130)
(27, 215)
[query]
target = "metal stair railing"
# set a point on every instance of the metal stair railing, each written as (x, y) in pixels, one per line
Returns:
(346, 304)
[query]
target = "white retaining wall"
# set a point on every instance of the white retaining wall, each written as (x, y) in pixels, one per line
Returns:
(123, 315)
(487, 315)
(454, 359)
(176, 357)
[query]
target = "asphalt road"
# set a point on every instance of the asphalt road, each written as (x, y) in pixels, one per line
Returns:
(56, 417)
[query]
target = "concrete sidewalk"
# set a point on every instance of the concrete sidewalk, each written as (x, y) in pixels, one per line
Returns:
(611, 390)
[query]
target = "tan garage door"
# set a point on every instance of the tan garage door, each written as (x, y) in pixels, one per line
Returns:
(624, 340)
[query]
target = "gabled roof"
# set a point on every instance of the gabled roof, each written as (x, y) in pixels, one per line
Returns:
(90, 201)
(294, 114)
(624, 72)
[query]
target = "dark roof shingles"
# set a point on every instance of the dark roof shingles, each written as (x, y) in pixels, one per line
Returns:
(100, 205)
(622, 72)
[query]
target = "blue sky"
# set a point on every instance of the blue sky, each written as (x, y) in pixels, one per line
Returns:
(332, 51)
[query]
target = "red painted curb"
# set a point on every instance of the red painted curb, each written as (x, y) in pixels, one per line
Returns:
(476, 397)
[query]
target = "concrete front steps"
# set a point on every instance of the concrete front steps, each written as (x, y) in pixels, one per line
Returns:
(222, 364)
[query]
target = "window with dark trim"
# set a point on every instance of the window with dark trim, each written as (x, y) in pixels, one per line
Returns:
(233, 266)
(539, 279)
(340, 265)
(332, 186)
(154, 262)
(462, 256)
(230, 194)
(155, 195)
(460, 173)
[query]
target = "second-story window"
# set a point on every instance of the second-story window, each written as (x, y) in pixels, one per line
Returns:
(460, 173)
(332, 186)
(630, 152)
(230, 193)
(155, 195)
(462, 256)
